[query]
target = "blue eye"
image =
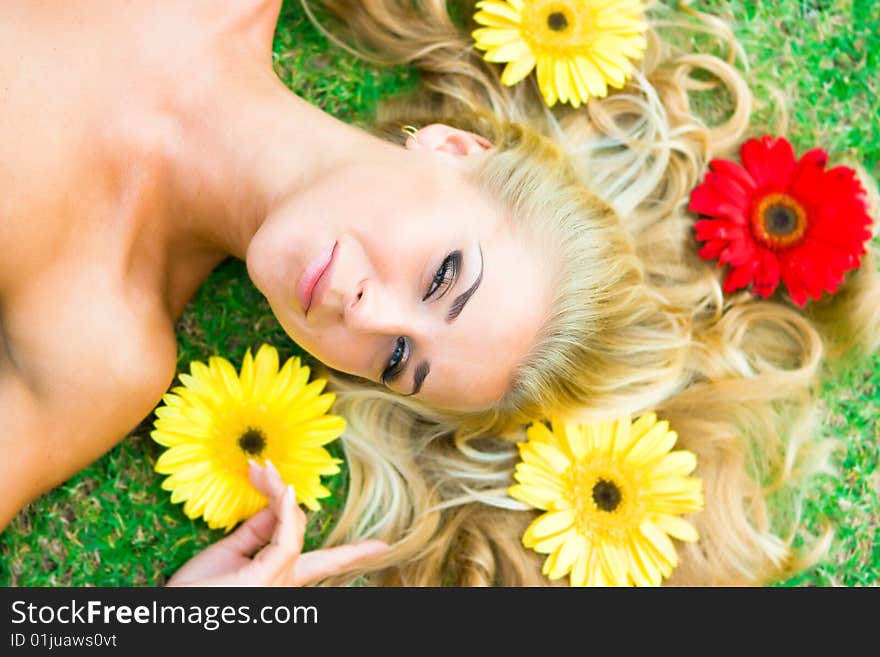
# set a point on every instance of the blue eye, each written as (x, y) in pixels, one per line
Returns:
(445, 275)
(397, 361)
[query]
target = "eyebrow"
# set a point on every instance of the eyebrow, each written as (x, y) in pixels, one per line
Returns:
(458, 305)
(454, 311)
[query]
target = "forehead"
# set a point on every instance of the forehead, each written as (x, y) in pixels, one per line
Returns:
(473, 359)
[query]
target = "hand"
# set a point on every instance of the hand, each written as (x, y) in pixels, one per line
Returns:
(277, 532)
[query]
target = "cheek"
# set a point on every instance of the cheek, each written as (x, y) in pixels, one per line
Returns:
(399, 244)
(338, 350)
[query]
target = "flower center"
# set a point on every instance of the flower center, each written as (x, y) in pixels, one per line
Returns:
(252, 441)
(606, 498)
(606, 495)
(557, 21)
(558, 28)
(779, 221)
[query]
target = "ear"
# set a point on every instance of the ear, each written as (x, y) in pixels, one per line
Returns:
(442, 138)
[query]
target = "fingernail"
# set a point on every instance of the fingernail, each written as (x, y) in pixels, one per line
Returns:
(291, 494)
(271, 466)
(253, 463)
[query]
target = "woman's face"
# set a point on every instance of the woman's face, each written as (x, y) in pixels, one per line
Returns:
(403, 273)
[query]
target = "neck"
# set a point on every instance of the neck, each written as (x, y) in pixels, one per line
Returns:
(244, 158)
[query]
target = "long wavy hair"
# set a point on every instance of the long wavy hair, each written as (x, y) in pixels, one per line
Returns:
(638, 322)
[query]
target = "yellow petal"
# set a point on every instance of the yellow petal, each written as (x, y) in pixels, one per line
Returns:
(498, 11)
(539, 433)
(661, 543)
(649, 567)
(175, 457)
(615, 73)
(320, 431)
(556, 460)
(492, 37)
(638, 573)
(552, 522)
(676, 490)
(620, 22)
(283, 380)
(614, 564)
(604, 434)
(552, 543)
(655, 444)
(509, 52)
(575, 440)
(538, 497)
(597, 575)
(566, 555)
(265, 370)
(539, 477)
(545, 80)
(676, 527)
(579, 570)
(560, 79)
(304, 395)
(225, 372)
(675, 464)
(596, 86)
(643, 424)
(515, 71)
(310, 410)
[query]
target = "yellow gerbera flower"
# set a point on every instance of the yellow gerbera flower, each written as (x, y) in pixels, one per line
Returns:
(613, 494)
(579, 47)
(218, 420)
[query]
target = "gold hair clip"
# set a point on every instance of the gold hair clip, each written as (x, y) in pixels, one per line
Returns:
(412, 131)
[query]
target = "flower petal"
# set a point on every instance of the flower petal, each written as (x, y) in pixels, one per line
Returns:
(769, 161)
(676, 527)
(552, 522)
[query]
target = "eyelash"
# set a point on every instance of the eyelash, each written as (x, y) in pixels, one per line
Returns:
(444, 277)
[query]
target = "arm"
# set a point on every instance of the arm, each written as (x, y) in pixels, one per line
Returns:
(274, 537)
(20, 424)
(264, 550)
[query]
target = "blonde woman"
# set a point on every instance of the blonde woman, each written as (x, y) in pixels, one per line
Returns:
(493, 264)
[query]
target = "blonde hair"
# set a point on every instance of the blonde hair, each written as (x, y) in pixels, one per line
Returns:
(639, 321)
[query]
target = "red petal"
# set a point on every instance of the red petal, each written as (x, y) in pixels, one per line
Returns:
(767, 275)
(739, 277)
(796, 292)
(841, 226)
(720, 229)
(808, 182)
(706, 200)
(738, 252)
(728, 189)
(712, 249)
(770, 161)
(735, 173)
(796, 276)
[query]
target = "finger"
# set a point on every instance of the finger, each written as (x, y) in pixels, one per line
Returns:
(254, 533)
(257, 476)
(268, 481)
(277, 559)
(274, 482)
(314, 566)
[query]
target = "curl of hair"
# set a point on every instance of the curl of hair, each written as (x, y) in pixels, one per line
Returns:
(638, 321)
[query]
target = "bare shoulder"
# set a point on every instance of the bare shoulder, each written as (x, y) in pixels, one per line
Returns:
(81, 366)
(76, 331)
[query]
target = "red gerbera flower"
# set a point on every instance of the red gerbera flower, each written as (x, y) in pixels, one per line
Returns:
(776, 218)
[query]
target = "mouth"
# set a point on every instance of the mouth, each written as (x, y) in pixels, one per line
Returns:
(314, 272)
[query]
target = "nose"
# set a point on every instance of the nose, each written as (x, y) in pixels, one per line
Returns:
(374, 308)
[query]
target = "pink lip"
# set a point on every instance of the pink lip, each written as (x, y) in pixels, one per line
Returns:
(309, 280)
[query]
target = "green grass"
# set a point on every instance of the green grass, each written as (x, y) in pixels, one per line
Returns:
(113, 525)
